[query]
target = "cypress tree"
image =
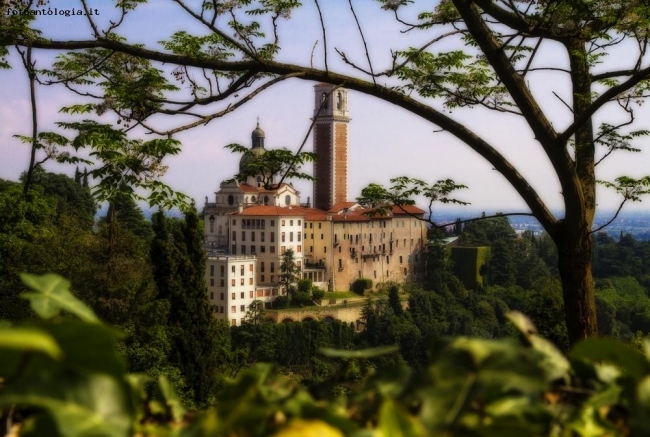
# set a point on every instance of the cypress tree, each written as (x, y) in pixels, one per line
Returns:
(197, 337)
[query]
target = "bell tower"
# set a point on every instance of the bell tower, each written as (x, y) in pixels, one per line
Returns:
(330, 145)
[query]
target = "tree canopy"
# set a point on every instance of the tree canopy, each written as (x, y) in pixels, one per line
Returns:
(461, 55)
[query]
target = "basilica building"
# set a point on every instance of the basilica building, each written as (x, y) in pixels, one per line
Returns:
(249, 226)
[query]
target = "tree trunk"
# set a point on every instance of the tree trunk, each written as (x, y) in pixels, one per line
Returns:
(574, 262)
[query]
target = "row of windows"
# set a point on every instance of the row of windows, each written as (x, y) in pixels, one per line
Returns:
(261, 223)
(369, 224)
(244, 249)
(253, 234)
(233, 269)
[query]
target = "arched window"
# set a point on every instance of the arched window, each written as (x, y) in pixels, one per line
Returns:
(211, 224)
(287, 200)
(339, 100)
(266, 200)
(231, 199)
(324, 100)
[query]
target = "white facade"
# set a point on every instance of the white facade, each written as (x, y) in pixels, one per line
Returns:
(231, 286)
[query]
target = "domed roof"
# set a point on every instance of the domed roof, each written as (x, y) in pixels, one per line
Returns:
(256, 150)
(249, 157)
(258, 132)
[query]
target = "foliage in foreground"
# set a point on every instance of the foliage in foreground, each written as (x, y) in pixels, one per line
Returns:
(63, 375)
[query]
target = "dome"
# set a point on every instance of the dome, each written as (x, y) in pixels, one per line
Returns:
(250, 156)
(257, 137)
(258, 133)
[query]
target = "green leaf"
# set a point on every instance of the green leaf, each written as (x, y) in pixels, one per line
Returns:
(612, 351)
(80, 404)
(27, 339)
(395, 422)
(172, 400)
(362, 353)
(53, 295)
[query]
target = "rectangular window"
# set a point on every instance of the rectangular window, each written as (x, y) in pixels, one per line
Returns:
(233, 322)
(242, 308)
(282, 222)
(233, 250)
(241, 295)
(283, 237)
(232, 282)
(223, 282)
(241, 270)
(243, 249)
(272, 267)
(299, 223)
(311, 249)
(234, 222)
(290, 222)
(262, 264)
(319, 225)
(272, 222)
(272, 249)
(233, 269)
(299, 248)
(250, 268)
(212, 270)
(322, 237)
(283, 249)
(291, 237)
(262, 249)
(222, 296)
(324, 249)
(241, 281)
(233, 296)
(262, 278)
(262, 237)
(250, 281)
(243, 235)
(272, 278)
(300, 236)
(234, 236)
(222, 270)
(211, 296)
(272, 237)
(252, 236)
(233, 309)
(253, 252)
(211, 282)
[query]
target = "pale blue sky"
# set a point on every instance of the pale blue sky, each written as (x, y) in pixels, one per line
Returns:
(384, 141)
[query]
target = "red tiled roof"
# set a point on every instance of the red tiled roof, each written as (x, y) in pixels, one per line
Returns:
(268, 210)
(407, 209)
(341, 206)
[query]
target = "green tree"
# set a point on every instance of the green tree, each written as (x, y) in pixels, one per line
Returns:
(496, 71)
(196, 336)
(289, 271)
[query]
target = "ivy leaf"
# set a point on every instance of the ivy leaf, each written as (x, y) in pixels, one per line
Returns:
(52, 294)
(611, 351)
(80, 404)
(27, 339)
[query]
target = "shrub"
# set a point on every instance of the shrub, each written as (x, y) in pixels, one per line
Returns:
(361, 285)
(300, 298)
(305, 285)
(281, 302)
(317, 293)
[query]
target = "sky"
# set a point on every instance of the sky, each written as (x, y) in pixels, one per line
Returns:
(385, 141)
